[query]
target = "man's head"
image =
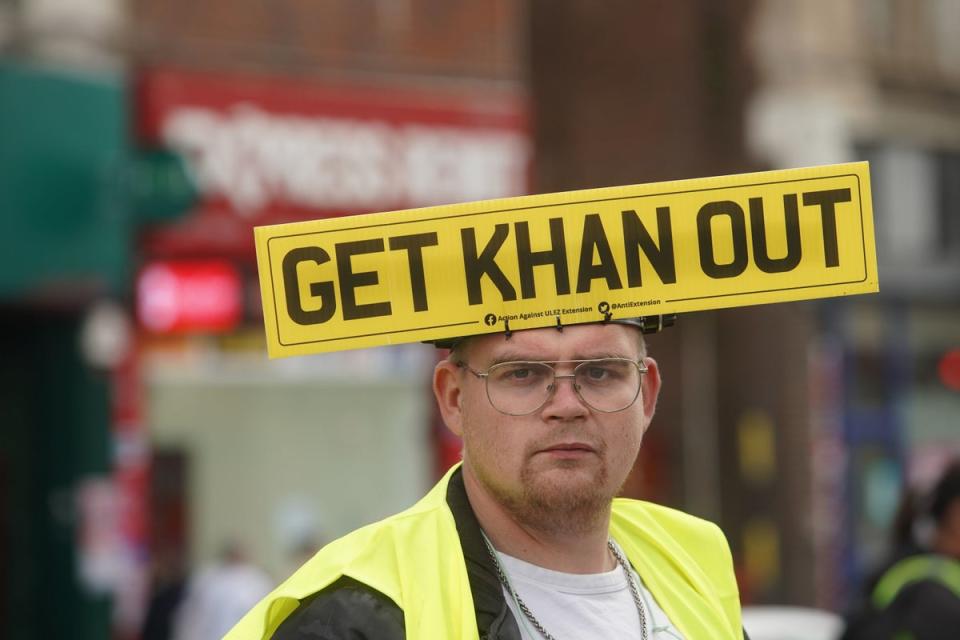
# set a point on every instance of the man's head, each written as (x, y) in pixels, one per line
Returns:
(560, 465)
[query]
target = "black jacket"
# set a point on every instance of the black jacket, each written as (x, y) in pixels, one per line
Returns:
(923, 609)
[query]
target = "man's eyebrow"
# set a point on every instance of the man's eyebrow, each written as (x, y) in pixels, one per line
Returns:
(600, 355)
(514, 356)
(521, 356)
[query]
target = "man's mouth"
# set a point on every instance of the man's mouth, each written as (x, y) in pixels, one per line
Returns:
(568, 449)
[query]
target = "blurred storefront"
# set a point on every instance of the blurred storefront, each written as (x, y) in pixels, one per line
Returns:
(64, 254)
(301, 447)
(793, 425)
(72, 188)
(183, 437)
(876, 81)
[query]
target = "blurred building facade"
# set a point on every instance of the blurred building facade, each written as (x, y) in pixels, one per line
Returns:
(877, 81)
(791, 425)
(65, 253)
(295, 111)
(794, 425)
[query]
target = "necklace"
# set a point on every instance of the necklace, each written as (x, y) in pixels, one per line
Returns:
(501, 574)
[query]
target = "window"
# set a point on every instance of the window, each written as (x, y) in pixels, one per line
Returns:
(916, 199)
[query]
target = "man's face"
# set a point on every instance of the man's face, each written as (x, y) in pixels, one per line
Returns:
(563, 458)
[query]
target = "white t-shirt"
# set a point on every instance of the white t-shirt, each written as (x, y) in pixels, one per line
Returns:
(582, 606)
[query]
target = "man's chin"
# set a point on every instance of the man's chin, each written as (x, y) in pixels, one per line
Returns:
(568, 487)
(566, 474)
(559, 498)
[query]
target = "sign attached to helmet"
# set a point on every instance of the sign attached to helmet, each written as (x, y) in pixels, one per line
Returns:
(567, 258)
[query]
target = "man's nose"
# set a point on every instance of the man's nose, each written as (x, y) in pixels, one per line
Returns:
(564, 401)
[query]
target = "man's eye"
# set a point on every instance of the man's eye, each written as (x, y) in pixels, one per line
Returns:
(598, 373)
(605, 373)
(520, 374)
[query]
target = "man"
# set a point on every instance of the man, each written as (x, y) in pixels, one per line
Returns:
(526, 538)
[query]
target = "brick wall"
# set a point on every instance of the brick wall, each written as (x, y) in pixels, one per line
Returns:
(637, 91)
(435, 39)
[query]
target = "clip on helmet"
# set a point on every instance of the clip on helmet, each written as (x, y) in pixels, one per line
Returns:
(646, 324)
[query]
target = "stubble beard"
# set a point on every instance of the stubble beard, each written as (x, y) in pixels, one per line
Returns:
(561, 507)
(546, 502)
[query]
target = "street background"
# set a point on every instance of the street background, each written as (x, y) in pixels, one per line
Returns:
(144, 435)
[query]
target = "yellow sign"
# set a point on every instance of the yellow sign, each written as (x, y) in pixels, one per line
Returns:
(573, 257)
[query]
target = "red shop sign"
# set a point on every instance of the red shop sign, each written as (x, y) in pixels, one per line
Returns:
(266, 150)
(194, 296)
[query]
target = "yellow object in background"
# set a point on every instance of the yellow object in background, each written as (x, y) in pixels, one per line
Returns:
(757, 447)
(761, 553)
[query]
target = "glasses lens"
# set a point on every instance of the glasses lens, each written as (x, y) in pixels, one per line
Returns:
(519, 388)
(608, 385)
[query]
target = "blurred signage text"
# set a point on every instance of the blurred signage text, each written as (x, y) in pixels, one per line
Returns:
(271, 150)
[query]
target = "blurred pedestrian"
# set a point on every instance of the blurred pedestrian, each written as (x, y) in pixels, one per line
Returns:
(167, 584)
(917, 596)
(524, 539)
(218, 596)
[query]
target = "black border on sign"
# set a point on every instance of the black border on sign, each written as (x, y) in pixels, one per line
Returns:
(542, 206)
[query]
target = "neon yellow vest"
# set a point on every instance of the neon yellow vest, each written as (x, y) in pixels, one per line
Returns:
(415, 559)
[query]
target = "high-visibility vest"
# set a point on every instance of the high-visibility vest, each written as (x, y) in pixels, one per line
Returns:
(415, 559)
(937, 568)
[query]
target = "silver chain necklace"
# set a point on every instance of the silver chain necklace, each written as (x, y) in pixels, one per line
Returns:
(634, 591)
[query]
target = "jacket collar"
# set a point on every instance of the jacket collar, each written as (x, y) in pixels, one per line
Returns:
(494, 619)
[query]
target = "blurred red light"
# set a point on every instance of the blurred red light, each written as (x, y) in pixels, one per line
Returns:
(189, 296)
(949, 369)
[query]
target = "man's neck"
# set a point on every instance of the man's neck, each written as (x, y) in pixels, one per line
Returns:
(571, 550)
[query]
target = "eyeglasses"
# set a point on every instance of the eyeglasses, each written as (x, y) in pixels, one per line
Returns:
(607, 385)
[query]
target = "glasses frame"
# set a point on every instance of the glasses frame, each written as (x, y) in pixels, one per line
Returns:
(552, 388)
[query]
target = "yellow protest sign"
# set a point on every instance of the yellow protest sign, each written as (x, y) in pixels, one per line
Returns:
(579, 256)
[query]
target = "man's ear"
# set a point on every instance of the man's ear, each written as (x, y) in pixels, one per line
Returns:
(447, 378)
(650, 389)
